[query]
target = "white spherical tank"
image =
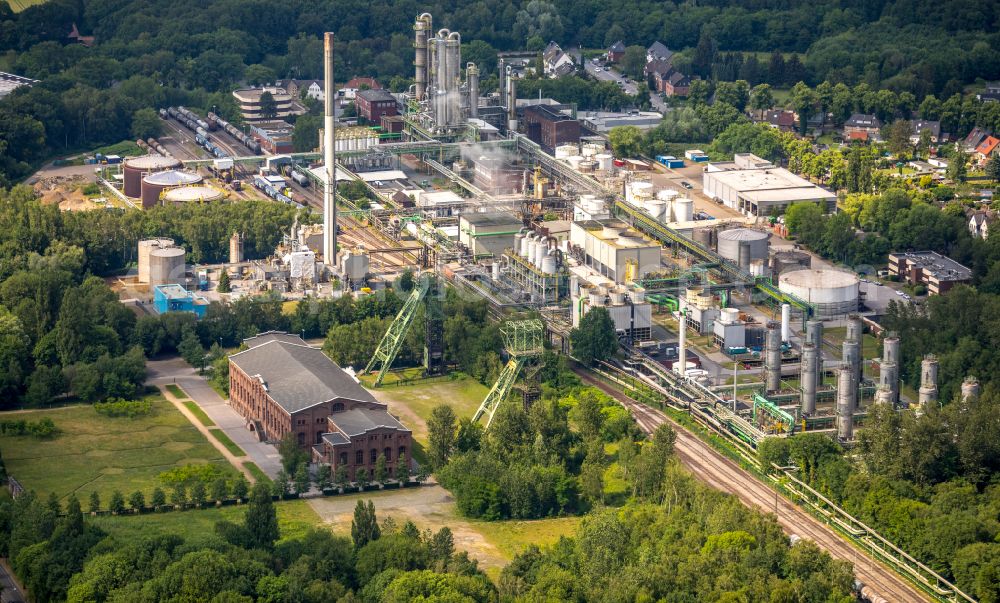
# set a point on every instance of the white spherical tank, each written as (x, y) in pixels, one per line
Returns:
(166, 266)
(730, 241)
(684, 210)
(832, 292)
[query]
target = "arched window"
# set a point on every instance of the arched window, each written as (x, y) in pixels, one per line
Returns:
(338, 407)
(374, 454)
(388, 454)
(359, 457)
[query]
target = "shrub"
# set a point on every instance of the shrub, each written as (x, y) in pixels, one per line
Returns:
(116, 407)
(43, 428)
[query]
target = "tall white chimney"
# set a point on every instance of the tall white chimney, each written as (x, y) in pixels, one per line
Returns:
(329, 156)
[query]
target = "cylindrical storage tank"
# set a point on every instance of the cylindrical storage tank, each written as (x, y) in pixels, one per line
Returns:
(729, 316)
(591, 149)
(667, 194)
(136, 168)
(525, 245)
(188, 194)
(541, 248)
(786, 261)
(154, 184)
(565, 151)
(549, 262)
(684, 210)
(518, 241)
(588, 166)
(703, 236)
(146, 247)
(637, 192)
(743, 254)
(831, 292)
(656, 208)
(574, 161)
(166, 266)
(496, 271)
(729, 243)
(604, 161)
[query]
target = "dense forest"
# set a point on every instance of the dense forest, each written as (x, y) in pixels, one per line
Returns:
(154, 53)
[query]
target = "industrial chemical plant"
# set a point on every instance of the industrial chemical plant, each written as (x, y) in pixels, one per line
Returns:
(716, 315)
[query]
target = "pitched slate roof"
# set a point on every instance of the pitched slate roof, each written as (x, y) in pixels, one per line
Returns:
(266, 336)
(359, 421)
(297, 376)
(659, 50)
(617, 47)
(862, 120)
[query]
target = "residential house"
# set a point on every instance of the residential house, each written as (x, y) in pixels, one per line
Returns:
(975, 137)
(986, 149)
(782, 119)
(658, 51)
(676, 84)
(75, 35)
(350, 90)
(616, 52)
(980, 223)
(990, 93)
(281, 385)
(557, 63)
(862, 127)
(300, 88)
(937, 272)
(919, 125)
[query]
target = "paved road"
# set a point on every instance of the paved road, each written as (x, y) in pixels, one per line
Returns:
(11, 593)
(610, 75)
(725, 475)
(175, 370)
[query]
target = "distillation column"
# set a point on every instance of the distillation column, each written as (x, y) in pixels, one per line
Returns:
(888, 379)
(682, 357)
(845, 409)
(807, 376)
(814, 335)
(421, 28)
(852, 355)
(472, 75)
(772, 357)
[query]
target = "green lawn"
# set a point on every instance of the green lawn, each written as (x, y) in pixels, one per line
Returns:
(464, 394)
(295, 517)
(176, 391)
(199, 413)
(257, 473)
(227, 442)
(512, 537)
(103, 454)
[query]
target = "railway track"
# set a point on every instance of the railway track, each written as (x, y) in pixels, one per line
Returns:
(723, 474)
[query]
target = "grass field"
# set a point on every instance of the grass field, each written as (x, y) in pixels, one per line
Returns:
(226, 441)
(257, 473)
(176, 391)
(414, 403)
(103, 454)
(295, 517)
(869, 343)
(199, 413)
(512, 537)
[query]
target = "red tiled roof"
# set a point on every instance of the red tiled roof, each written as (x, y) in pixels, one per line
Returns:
(987, 146)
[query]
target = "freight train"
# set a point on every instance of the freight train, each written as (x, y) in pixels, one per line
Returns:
(268, 189)
(233, 131)
(153, 146)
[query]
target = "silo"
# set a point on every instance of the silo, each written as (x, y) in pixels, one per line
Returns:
(657, 209)
(549, 262)
(604, 161)
(136, 168)
(831, 292)
(755, 242)
(235, 248)
(146, 247)
(166, 266)
(154, 184)
(787, 261)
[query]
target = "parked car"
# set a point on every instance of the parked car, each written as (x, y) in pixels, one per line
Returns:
(687, 185)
